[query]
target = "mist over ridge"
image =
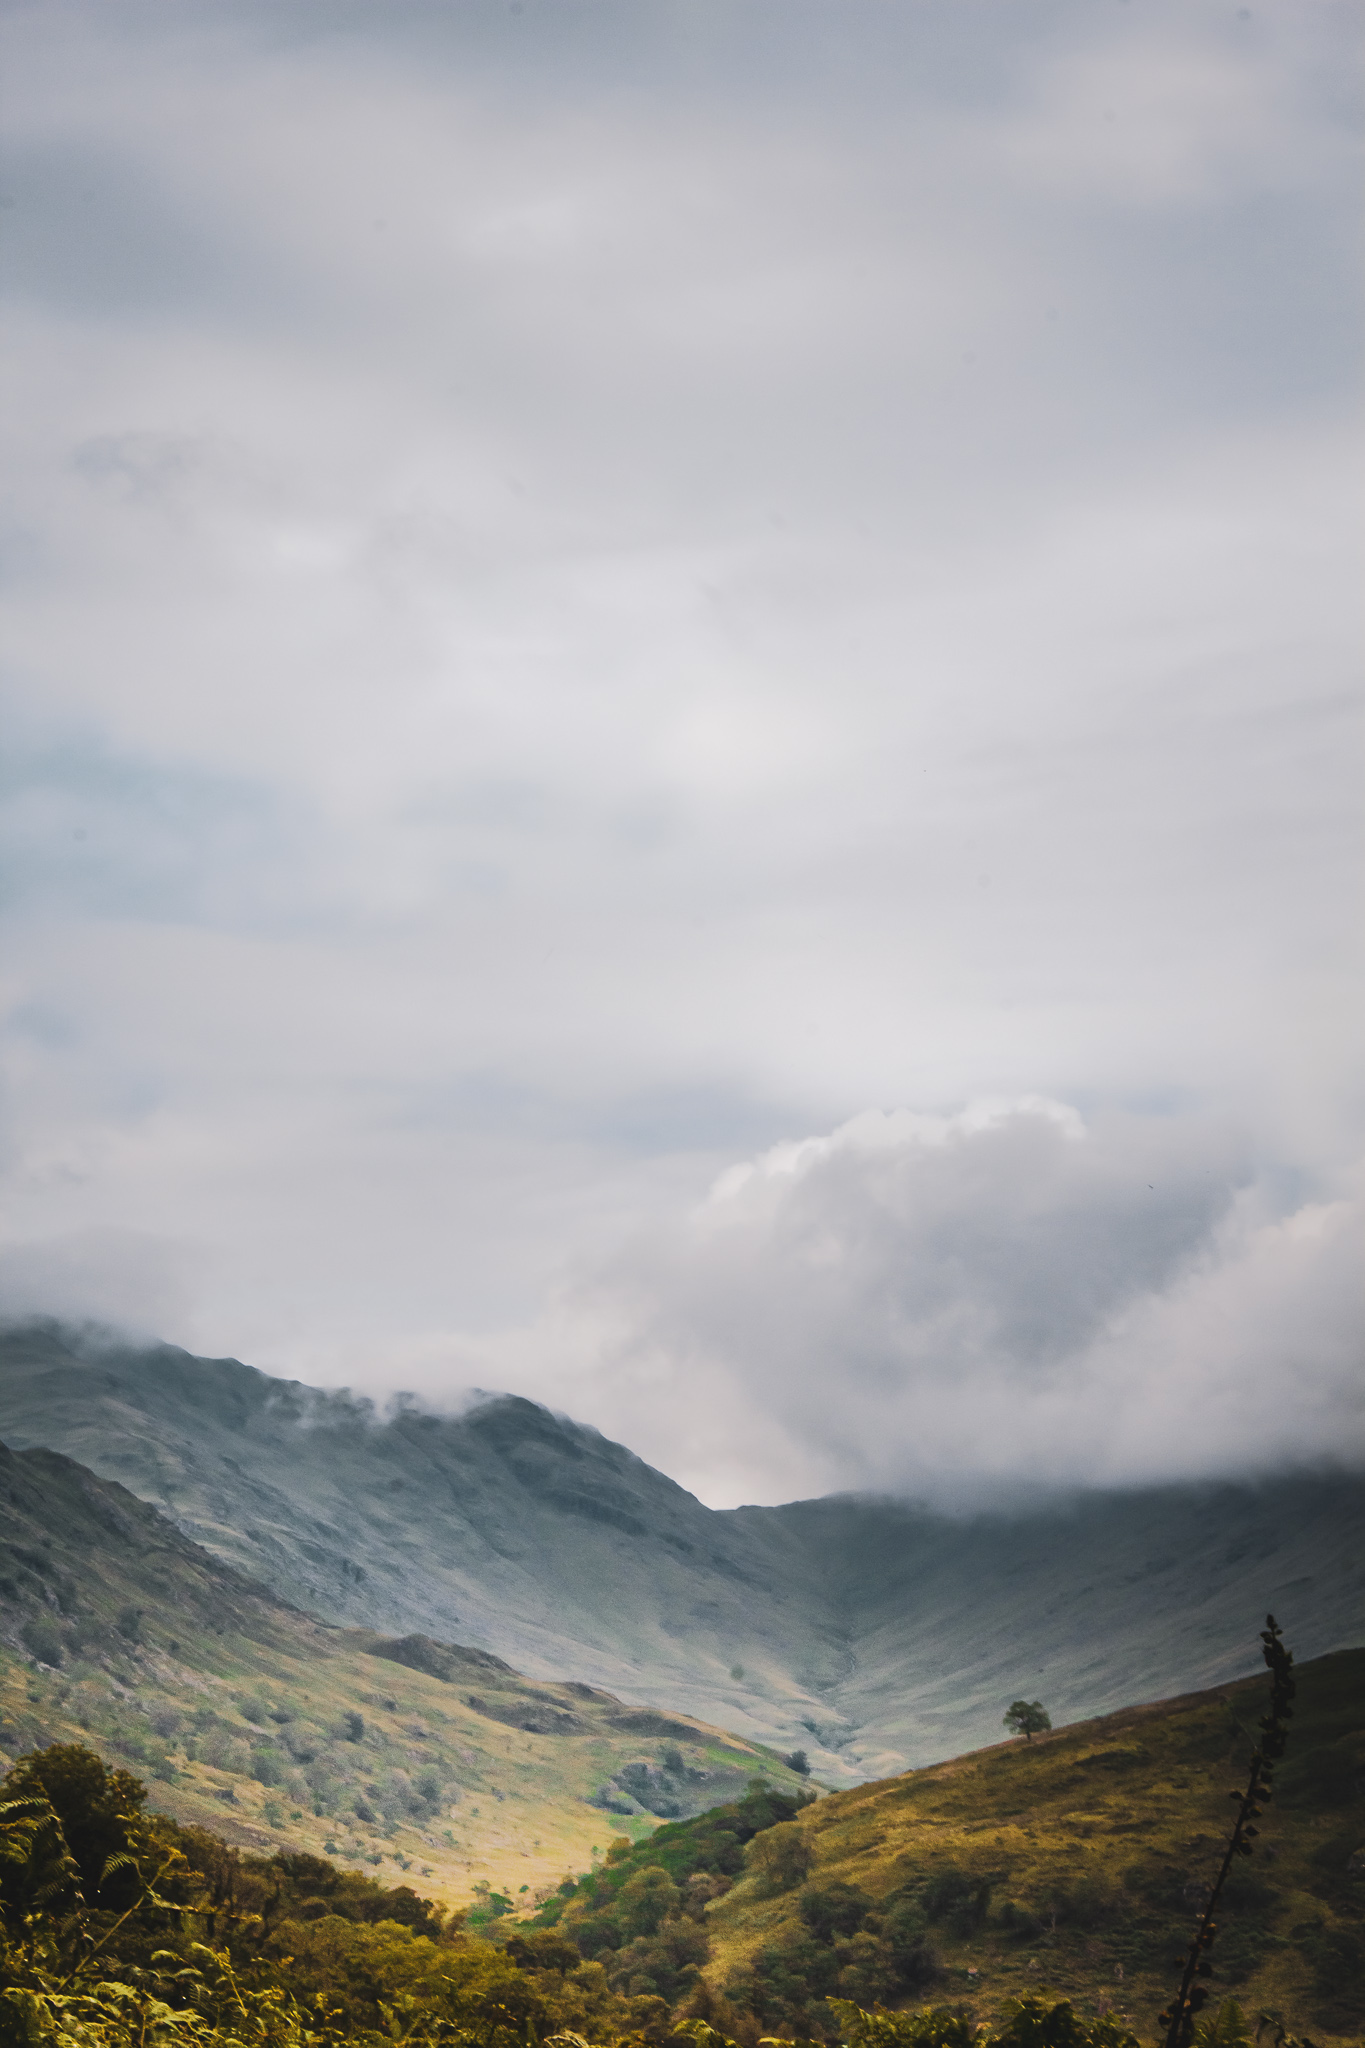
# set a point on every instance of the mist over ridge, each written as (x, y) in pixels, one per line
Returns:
(682, 720)
(873, 1632)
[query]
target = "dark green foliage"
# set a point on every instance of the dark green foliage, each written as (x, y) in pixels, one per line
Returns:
(799, 1762)
(1327, 1778)
(1027, 1718)
(958, 1899)
(1225, 2028)
(640, 1916)
(833, 1909)
(663, 1965)
(783, 1982)
(542, 1950)
(100, 1812)
(1338, 1958)
(941, 2027)
(712, 1846)
(1084, 1901)
(215, 1949)
(42, 1639)
(1019, 1920)
(916, 1959)
(868, 1970)
(1038, 2022)
(781, 1859)
(646, 1899)
(869, 1954)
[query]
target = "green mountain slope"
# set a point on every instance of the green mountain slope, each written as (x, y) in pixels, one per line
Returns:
(1077, 1861)
(274, 1729)
(871, 1633)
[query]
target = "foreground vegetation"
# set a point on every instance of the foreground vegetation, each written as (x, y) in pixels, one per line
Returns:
(1080, 1860)
(120, 1929)
(1030, 1896)
(123, 1929)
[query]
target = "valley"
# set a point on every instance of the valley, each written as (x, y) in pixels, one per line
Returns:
(875, 1634)
(431, 1764)
(293, 1699)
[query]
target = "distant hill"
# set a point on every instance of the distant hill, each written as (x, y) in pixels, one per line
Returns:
(277, 1730)
(872, 1633)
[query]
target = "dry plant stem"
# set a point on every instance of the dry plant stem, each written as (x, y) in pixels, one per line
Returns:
(1179, 2017)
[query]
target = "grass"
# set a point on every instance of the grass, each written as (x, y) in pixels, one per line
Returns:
(117, 1631)
(513, 1811)
(1096, 1843)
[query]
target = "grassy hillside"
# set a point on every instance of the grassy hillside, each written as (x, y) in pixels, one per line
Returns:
(247, 1716)
(872, 1633)
(1075, 1861)
(508, 1527)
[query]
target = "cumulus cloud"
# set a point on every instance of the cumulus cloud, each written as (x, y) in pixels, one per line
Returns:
(1008, 1297)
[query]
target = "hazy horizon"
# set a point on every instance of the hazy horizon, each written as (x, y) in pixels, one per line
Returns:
(683, 719)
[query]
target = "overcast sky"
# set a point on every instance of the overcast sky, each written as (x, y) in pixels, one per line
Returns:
(682, 717)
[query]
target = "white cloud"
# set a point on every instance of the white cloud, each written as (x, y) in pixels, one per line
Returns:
(1005, 1297)
(125, 1280)
(590, 591)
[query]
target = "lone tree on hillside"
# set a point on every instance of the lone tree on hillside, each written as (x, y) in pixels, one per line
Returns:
(1027, 1718)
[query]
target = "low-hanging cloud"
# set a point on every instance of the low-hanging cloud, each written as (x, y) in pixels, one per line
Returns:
(594, 587)
(1002, 1299)
(131, 1282)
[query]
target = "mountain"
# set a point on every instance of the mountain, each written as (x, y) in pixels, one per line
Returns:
(278, 1730)
(873, 1633)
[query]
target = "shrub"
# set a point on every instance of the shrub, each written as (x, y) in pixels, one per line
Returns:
(833, 1909)
(1082, 1902)
(781, 1856)
(100, 1811)
(647, 1898)
(958, 1899)
(1020, 1921)
(42, 1640)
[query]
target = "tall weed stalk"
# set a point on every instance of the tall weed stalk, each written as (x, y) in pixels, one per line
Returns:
(1182, 2012)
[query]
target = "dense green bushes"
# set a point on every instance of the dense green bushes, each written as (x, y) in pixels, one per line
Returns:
(640, 1916)
(855, 1950)
(120, 1929)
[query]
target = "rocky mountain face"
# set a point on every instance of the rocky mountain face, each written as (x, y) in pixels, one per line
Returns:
(278, 1730)
(872, 1633)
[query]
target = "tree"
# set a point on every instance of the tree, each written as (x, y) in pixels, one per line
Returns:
(100, 1812)
(1027, 1718)
(799, 1762)
(783, 1857)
